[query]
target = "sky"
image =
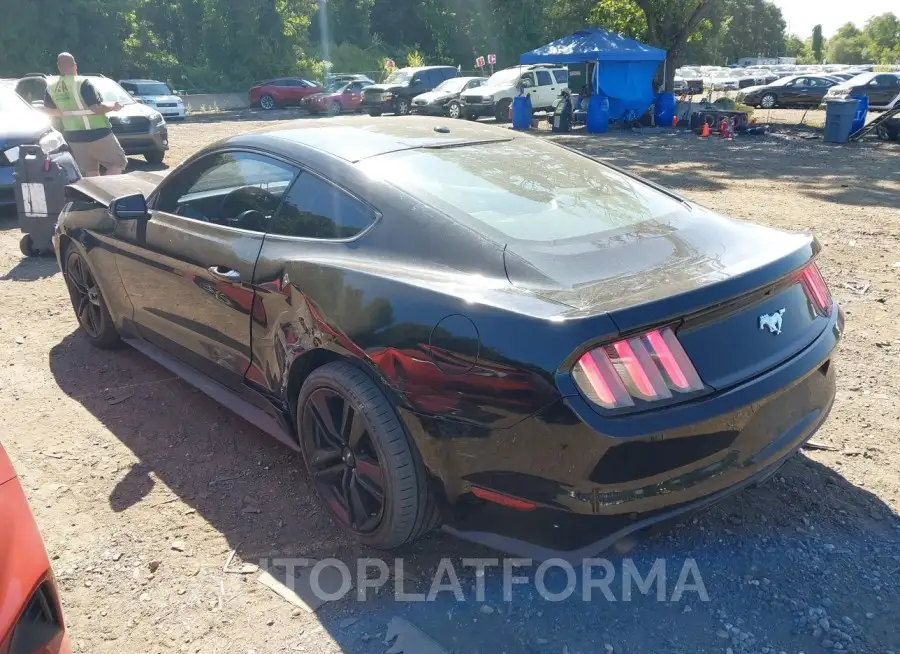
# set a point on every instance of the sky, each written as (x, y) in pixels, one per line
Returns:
(802, 15)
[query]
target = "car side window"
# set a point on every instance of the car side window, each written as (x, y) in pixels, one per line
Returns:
(435, 77)
(474, 83)
(314, 208)
(528, 78)
(233, 189)
(448, 73)
(544, 78)
(562, 76)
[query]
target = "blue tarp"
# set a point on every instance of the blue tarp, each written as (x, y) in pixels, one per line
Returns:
(592, 44)
(625, 67)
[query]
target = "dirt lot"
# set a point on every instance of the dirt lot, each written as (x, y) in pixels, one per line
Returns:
(142, 486)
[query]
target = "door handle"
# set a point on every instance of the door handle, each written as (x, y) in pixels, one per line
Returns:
(224, 274)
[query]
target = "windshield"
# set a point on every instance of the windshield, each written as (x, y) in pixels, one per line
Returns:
(398, 77)
(156, 88)
(452, 85)
(10, 101)
(110, 91)
(522, 189)
(506, 77)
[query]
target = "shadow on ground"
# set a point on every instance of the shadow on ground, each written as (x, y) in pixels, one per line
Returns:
(807, 540)
(862, 174)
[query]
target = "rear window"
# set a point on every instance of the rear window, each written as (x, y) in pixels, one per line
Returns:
(524, 189)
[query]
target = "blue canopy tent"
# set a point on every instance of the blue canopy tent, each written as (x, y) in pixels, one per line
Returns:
(624, 70)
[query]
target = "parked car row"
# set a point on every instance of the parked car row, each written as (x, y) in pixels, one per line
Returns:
(881, 89)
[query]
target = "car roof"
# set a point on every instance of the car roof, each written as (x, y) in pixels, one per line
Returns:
(354, 138)
(140, 81)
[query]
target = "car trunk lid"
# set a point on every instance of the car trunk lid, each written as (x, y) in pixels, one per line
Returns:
(731, 289)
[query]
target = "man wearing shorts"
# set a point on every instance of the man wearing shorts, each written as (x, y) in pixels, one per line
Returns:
(84, 122)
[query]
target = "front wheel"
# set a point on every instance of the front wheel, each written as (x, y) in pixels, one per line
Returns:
(401, 108)
(335, 108)
(26, 246)
(364, 467)
(885, 133)
(768, 101)
(156, 157)
(454, 109)
(88, 303)
(501, 112)
(374, 113)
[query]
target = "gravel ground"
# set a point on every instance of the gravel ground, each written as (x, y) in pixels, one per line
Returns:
(143, 487)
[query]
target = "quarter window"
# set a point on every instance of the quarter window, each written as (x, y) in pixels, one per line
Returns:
(313, 208)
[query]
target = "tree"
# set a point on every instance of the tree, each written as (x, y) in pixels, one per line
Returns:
(818, 43)
(755, 27)
(670, 25)
(882, 37)
(847, 45)
(795, 47)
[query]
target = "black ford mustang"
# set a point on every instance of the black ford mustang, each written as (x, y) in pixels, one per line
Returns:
(460, 325)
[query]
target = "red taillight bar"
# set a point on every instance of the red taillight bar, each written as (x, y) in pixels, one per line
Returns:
(651, 366)
(816, 289)
(503, 500)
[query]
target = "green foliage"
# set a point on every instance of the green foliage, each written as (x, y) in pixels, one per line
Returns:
(225, 45)
(818, 43)
(414, 58)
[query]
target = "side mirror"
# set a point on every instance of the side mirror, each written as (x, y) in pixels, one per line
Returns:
(129, 207)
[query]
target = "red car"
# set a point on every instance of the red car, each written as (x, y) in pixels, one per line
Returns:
(282, 92)
(31, 618)
(337, 98)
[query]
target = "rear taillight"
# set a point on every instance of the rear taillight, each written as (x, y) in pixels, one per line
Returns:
(816, 289)
(648, 367)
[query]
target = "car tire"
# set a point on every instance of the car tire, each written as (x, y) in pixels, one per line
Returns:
(26, 245)
(335, 108)
(501, 113)
(374, 113)
(768, 101)
(156, 157)
(329, 404)
(267, 102)
(88, 303)
(454, 109)
(471, 116)
(885, 133)
(401, 107)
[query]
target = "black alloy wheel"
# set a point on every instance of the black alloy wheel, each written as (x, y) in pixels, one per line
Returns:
(363, 465)
(343, 460)
(87, 300)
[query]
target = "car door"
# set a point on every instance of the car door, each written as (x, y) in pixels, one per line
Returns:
(352, 99)
(791, 94)
(818, 87)
(547, 88)
(883, 89)
(188, 269)
(297, 289)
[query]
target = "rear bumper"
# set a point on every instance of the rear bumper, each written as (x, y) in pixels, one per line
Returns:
(594, 480)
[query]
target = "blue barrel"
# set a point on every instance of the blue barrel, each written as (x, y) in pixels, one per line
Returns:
(597, 121)
(839, 115)
(521, 112)
(664, 110)
(862, 110)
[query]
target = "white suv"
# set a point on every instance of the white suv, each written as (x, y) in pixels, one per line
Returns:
(543, 82)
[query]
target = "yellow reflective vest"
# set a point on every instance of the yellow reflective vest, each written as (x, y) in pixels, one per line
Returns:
(65, 91)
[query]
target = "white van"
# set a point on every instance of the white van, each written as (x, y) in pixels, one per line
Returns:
(543, 82)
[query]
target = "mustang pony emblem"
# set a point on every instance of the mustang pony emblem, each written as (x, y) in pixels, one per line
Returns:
(771, 321)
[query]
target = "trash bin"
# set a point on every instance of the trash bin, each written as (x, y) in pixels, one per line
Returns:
(664, 109)
(562, 114)
(839, 115)
(521, 112)
(41, 182)
(597, 121)
(862, 110)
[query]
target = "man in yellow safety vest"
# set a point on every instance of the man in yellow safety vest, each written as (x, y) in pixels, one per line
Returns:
(84, 122)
